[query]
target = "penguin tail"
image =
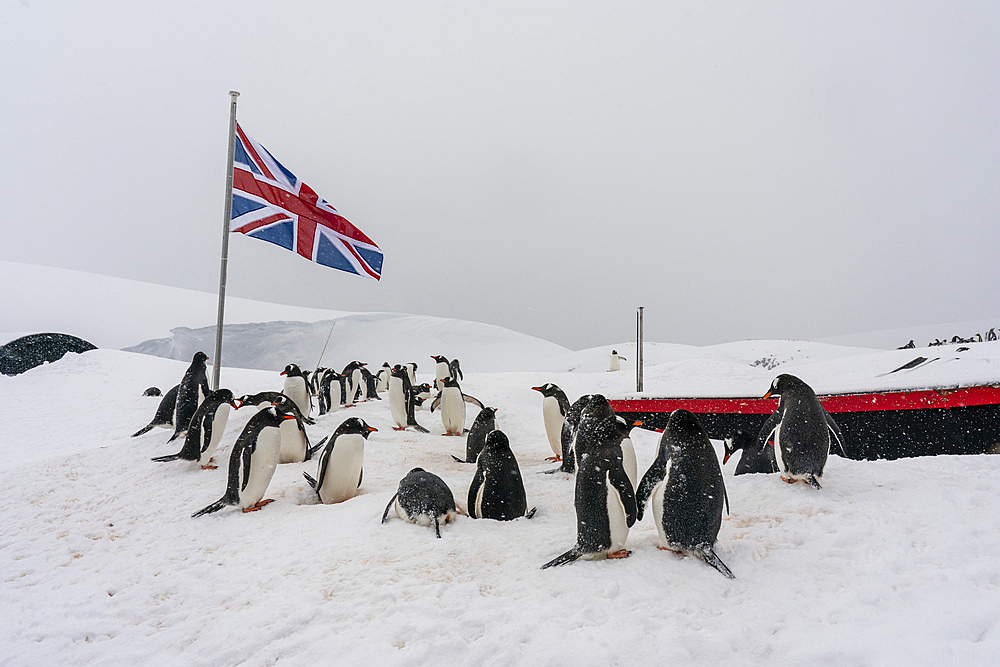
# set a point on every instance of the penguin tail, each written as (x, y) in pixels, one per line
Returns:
(310, 479)
(385, 515)
(164, 459)
(214, 507)
(530, 513)
(420, 428)
(459, 460)
(437, 527)
(145, 429)
(176, 435)
(813, 482)
(568, 557)
(709, 556)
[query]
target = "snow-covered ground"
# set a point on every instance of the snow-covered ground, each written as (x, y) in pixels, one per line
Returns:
(101, 562)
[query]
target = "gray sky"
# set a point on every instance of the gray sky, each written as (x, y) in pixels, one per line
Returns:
(743, 170)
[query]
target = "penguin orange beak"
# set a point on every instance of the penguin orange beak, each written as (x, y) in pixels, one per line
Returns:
(638, 423)
(725, 459)
(767, 395)
(372, 429)
(536, 389)
(288, 416)
(281, 373)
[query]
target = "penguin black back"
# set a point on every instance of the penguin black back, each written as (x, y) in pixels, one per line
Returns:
(423, 495)
(476, 439)
(190, 392)
(753, 460)
(164, 416)
(497, 490)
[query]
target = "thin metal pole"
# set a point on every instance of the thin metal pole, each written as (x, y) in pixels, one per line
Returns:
(325, 344)
(638, 363)
(217, 359)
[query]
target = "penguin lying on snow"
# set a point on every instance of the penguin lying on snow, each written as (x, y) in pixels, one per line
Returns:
(190, 393)
(555, 405)
(497, 491)
(801, 428)
(341, 465)
(423, 498)
(476, 440)
(164, 416)
(253, 460)
(206, 429)
(604, 498)
(753, 460)
(452, 402)
(687, 490)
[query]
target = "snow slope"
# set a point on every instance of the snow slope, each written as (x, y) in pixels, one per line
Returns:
(101, 562)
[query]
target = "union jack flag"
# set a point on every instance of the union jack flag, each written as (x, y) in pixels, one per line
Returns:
(271, 204)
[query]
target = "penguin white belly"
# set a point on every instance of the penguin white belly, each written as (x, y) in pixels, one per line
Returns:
(343, 469)
(357, 386)
(777, 448)
(657, 500)
(421, 519)
(479, 496)
(262, 465)
(412, 372)
(553, 423)
(453, 410)
(397, 402)
(441, 371)
(218, 427)
(614, 365)
(617, 523)
(295, 389)
(293, 442)
(382, 382)
(629, 462)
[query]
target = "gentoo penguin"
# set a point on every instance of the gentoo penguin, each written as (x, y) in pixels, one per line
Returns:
(452, 402)
(331, 396)
(570, 427)
(555, 405)
(296, 387)
(371, 390)
(421, 394)
(190, 393)
(164, 416)
(261, 400)
(253, 460)
(801, 428)
(476, 439)
(400, 397)
(456, 370)
(314, 379)
(604, 499)
(753, 459)
(341, 463)
(615, 358)
(411, 370)
(382, 378)
(442, 369)
(294, 441)
(206, 429)
(423, 498)
(687, 491)
(497, 491)
(354, 381)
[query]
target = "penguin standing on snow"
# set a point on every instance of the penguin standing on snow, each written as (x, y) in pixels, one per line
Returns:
(423, 498)
(442, 369)
(801, 428)
(296, 387)
(354, 381)
(382, 378)
(614, 364)
(476, 439)
(604, 498)
(555, 405)
(371, 386)
(341, 465)
(190, 393)
(331, 396)
(497, 491)
(294, 441)
(164, 416)
(401, 400)
(571, 425)
(206, 429)
(253, 460)
(687, 490)
(452, 402)
(753, 460)
(456, 370)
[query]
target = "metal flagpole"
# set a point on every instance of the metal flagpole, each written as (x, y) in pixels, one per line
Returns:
(217, 359)
(638, 363)
(325, 344)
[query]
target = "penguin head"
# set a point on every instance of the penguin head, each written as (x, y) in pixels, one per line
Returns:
(199, 357)
(449, 381)
(357, 425)
(224, 396)
(730, 447)
(547, 389)
(284, 407)
(497, 439)
(784, 383)
(291, 370)
(439, 359)
(683, 430)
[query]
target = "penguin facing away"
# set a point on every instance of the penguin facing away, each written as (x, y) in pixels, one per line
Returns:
(206, 429)
(687, 491)
(571, 425)
(423, 498)
(252, 461)
(382, 378)
(752, 460)
(190, 393)
(497, 491)
(341, 465)
(802, 430)
(164, 416)
(455, 370)
(604, 498)
(401, 400)
(296, 387)
(476, 439)
(555, 406)
(355, 381)
(452, 402)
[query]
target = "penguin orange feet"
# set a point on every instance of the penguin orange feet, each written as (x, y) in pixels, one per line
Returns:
(398, 428)
(624, 553)
(786, 480)
(254, 508)
(209, 467)
(553, 458)
(669, 549)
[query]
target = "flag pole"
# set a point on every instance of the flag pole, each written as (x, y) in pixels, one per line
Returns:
(329, 336)
(217, 359)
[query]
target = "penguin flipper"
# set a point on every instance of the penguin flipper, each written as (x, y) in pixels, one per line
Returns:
(813, 482)
(530, 513)
(657, 471)
(436, 403)
(145, 429)
(310, 479)
(568, 557)
(385, 514)
(768, 429)
(473, 400)
(164, 459)
(418, 427)
(709, 556)
(835, 432)
(315, 448)
(459, 460)
(214, 507)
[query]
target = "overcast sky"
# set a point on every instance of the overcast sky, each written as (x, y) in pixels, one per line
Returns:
(742, 170)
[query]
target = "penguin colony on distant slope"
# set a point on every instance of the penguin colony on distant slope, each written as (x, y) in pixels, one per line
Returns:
(683, 486)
